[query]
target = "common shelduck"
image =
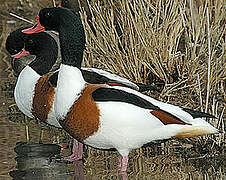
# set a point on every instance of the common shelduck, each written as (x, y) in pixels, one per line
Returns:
(107, 117)
(35, 88)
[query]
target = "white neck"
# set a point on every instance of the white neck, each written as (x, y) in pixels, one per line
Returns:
(69, 86)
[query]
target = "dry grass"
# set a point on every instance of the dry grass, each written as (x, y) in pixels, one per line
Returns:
(177, 46)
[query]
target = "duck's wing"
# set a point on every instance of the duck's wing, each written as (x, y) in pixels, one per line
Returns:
(198, 114)
(98, 76)
(95, 76)
(91, 77)
(118, 95)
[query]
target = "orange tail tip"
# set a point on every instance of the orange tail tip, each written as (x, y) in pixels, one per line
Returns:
(193, 131)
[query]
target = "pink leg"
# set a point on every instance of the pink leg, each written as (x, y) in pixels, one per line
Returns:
(122, 164)
(124, 176)
(77, 151)
(79, 169)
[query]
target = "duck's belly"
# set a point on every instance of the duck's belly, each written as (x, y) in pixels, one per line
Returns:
(127, 126)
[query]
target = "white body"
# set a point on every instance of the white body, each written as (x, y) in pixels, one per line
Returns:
(122, 126)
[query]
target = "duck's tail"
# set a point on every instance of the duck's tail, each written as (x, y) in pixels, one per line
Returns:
(187, 122)
(198, 126)
(197, 129)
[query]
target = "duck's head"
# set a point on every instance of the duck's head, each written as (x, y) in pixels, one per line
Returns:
(15, 42)
(62, 20)
(19, 45)
(53, 19)
(70, 4)
(14, 45)
(71, 32)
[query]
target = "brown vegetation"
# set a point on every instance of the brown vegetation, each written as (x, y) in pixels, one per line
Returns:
(177, 46)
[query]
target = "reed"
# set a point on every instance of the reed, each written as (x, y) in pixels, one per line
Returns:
(177, 46)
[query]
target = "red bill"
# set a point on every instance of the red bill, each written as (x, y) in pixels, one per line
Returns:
(59, 5)
(20, 54)
(35, 29)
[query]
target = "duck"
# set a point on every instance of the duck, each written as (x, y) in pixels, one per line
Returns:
(36, 101)
(33, 76)
(103, 116)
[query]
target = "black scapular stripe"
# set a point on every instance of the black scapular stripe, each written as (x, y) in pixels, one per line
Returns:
(93, 77)
(110, 94)
(198, 114)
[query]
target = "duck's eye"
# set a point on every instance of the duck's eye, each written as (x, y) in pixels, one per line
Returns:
(64, 2)
(30, 41)
(47, 14)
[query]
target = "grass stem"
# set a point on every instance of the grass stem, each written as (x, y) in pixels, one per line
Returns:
(209, 60)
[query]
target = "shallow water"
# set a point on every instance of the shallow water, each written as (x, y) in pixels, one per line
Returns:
(161, 161)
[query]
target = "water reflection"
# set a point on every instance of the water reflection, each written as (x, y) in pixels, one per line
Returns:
(37, 161)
